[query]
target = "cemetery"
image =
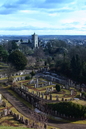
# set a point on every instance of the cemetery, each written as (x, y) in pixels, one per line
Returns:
(9, 116)
(41, 88)
(40, 91)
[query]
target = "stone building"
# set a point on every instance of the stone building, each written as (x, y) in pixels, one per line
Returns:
(35, 41)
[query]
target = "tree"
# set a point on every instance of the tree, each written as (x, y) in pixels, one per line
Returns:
(18, 59)
(10, 45)
(58, 88)
(3, 54)
(14, 45)
(32, 73)
(9, 71)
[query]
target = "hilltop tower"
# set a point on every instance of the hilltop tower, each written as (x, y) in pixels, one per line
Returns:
(34, 40)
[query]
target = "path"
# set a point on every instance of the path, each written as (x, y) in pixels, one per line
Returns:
(23, 109)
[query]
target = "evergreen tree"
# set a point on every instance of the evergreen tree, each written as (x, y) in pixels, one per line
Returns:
(58, 88)
(18, 59)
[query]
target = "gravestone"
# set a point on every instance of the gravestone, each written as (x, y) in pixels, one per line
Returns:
(5, 112)
(18, 117)
(37, 83)
(50, 97)
(39, 94)
(72, 92)
(21, 86)
(80, 94)
(57, 98)
(46, 97)
(0, 96)
(62, 99)
(26, 122)
(32, 92)
(26, 88)
(49, 83)
(22, 119)
(35, 86)
(52, 89)
(42, 95)
(82, 90)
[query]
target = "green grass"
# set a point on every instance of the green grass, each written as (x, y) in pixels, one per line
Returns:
(10, 127)
(20, 99)
(82, 102)
(79, 122)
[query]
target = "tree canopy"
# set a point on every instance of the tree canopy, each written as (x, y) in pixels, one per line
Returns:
(3, 54)
(58, 87)
(18, 59)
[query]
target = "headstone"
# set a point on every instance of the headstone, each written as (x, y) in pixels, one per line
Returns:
(0, 96)
(22, 119)
(52, 89)
(82, 90)
(21, 86)
(42, 95)
(62, 99)
(26, 122)
(71, 92)
(5, 112)
(46, 97)
(26, 89)
(55, 112)
(35, 86)
(39, 94)
(80, 94)
(37, 82)
(67, 87)
(57, 98)
(49, 83)
(50, 97)
(18, 117)
(32, 92)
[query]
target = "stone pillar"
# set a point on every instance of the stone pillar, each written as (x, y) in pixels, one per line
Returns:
(62, 99)
(57, 98)
(42, 95)
(26, 122)
(50, 97)
(0, 96)
(46, 97)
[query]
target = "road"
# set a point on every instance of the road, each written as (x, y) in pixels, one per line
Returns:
(24, 110)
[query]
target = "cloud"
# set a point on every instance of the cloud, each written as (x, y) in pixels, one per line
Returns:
(58, 1)
(4, 11)
(40, 5)
(23, 28)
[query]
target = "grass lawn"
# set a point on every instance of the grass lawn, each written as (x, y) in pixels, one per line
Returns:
(82, 102)
(10, 127)
(20, 99)
(79, 122)
(8, 121)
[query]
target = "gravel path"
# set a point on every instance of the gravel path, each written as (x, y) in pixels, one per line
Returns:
(24, 110)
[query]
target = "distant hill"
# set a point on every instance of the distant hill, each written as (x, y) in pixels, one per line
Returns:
(44, 37)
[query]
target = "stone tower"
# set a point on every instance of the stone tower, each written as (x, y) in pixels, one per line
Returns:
(34, 40)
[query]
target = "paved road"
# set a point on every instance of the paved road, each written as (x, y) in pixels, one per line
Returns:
(23, 109)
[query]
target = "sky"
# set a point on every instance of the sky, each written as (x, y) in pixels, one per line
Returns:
(44, 17)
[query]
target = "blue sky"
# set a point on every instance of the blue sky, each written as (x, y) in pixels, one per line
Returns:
(44, 17)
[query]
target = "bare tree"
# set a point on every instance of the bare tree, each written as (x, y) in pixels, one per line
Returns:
(40, 118)
(31, 61)
(9, 71)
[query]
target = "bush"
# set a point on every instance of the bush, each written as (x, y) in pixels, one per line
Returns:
(27, 77)
(32, 73)
(58, 88)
